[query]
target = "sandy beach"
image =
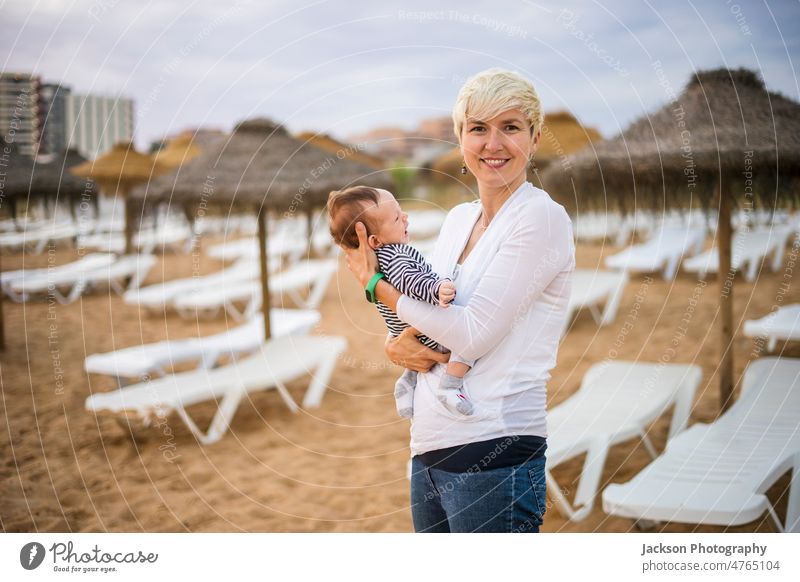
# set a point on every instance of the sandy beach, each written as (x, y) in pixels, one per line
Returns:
(338, 468)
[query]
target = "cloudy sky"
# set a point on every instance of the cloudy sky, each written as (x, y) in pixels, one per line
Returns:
(344, 67)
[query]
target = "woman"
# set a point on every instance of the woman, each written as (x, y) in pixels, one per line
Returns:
(510, 254)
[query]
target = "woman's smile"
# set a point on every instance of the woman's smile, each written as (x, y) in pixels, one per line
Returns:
(495, 162)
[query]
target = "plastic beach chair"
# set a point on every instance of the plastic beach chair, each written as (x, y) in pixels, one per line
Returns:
(311, 277)
(595, 289)
(617, 401)
(157, 297)
(781, 324)
(276, 362)
(748, 248)
(13, 281)
(36, 239)
(68, 282)
(663, 252)
(718, 473)
(152, 360)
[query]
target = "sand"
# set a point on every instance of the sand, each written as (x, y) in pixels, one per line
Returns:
(338, 468)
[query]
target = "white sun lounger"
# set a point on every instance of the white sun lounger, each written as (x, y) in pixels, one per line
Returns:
(663, 252)
(718, 473)
(592, 289)
(282, 248)
(617, 401)
(68, 282)
(311, 276)
(747, 248)
(152, 360)
(147, 241)
(277, 362)
(781, 324)
(599, 226)
(12, 280)
(35, 240)
(157, 297)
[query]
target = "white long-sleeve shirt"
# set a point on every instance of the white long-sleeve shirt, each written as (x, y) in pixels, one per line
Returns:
(513, 290)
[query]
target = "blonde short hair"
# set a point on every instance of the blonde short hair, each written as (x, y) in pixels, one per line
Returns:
(493, 91)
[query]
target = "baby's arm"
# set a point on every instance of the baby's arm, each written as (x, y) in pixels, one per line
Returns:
(410, 274)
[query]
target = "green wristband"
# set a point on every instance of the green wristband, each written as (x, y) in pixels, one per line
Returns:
(370, 288)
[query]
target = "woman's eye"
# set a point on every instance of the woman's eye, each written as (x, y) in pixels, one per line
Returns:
(512, 127)
(476, 128)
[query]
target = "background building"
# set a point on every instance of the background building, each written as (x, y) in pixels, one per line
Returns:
(95, 123)
(19, 110)
(53, 117)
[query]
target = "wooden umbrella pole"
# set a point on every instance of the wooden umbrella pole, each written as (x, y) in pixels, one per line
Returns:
(309, 230)
(262, 245)
(2, 324)
(128, 224)
(726, 300)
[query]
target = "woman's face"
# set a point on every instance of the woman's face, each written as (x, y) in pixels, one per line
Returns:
(497, 151)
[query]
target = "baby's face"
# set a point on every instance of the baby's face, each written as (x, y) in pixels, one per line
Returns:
(391, 220)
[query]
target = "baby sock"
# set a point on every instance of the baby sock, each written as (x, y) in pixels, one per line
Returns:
(404, 393)
(451, 393)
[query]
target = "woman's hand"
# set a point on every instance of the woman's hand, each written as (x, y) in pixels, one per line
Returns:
(362, 262)
(407, 351)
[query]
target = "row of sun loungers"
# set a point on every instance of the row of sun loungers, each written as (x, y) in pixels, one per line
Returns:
(273, 365)
(236, 290)
(66, 283)
(156, 359)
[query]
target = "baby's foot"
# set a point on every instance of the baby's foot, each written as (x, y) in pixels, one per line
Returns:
(451, 393)
(404, 393)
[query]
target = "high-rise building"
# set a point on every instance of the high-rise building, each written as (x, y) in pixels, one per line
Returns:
(95, 123)
(19, 110)
(53, 117)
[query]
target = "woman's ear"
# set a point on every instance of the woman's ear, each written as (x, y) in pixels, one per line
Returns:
(535, 143)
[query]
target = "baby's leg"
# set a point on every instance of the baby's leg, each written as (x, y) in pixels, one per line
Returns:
(451, 389)
(404, 393)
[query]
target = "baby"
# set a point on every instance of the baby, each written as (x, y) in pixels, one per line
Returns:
(406, 269)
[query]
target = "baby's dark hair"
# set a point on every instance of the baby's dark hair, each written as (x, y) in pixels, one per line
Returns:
(346, 208)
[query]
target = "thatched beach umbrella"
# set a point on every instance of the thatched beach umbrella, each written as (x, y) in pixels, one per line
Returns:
(27, 180)
(724, 139)
(259, 168)
(178, 150)
(341, 150)
(117, 172)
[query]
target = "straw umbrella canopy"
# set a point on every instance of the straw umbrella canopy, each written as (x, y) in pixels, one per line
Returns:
(178, 150)
(117, 172)
(27, 179)
(562, 134)
(341, 150)
(259, 168)
(724, 139)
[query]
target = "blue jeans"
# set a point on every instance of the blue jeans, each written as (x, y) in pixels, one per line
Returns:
(505, 500)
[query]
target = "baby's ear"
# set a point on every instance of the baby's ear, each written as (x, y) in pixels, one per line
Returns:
(373, 242)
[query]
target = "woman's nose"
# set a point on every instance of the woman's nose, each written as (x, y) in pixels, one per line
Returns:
(494, 140)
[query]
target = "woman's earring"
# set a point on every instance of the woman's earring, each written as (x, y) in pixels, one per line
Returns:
(463, 168)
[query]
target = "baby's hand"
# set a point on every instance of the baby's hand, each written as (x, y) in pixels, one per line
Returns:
(447, 292)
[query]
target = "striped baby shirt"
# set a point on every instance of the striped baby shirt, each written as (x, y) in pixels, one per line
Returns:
(407, 270)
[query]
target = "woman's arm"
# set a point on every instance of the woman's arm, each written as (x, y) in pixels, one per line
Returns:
(538, 248)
